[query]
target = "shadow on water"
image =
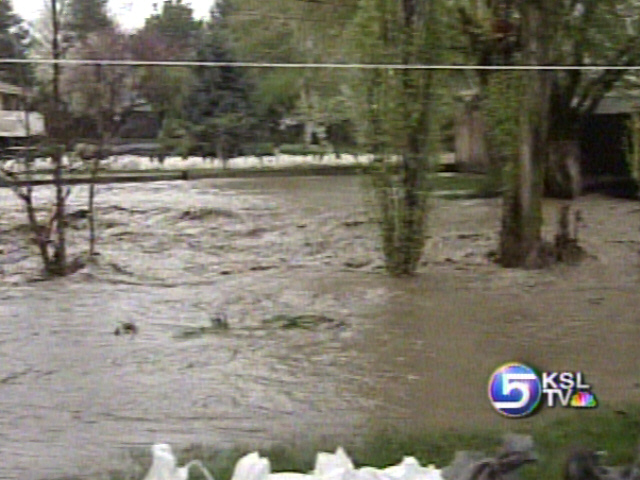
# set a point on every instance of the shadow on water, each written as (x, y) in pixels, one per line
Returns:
(413, 353)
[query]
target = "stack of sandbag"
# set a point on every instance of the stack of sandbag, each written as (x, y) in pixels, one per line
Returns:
(333, 466)
(329, 466)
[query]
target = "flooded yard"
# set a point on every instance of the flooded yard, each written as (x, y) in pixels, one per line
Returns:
(413, 353)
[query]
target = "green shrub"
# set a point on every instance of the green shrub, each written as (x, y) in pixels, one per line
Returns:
(259, 149)
(301, 149)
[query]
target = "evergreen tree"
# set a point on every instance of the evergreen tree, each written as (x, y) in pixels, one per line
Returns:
(168, 34)
(86, 17)
(219, 107)
(14, 43)
(175, 25)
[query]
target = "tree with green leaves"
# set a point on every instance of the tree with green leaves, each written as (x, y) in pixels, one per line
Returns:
(81, 88)
(219, 107)
(175, 26)
(521, 242)
(553, 104)
(14, 43)
(85, 17)
(50, 236)
(396, 108)
(295, 31)
(168, 34)
(589, 33)
(592, 33)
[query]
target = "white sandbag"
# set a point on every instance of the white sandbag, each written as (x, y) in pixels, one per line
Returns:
(252, 467)
(326, 463)
(404, 470)
(370, 473)
(129, 162)
(290, 476)
(334, 466)
(255, 467)
(410, 469)
(165, 466)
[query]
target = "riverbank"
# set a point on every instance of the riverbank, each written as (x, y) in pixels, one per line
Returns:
(136, 169)
(444, 184)
(615, 432)
(163, 175)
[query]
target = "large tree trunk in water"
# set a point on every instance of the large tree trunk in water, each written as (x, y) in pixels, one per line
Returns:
(520, 237)
(403, 200)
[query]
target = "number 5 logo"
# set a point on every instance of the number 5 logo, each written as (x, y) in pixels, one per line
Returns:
(510, 383)
(514, 390)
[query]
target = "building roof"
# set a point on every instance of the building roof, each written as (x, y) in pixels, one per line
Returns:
(617, 104)
(11, 89)
(12, 124)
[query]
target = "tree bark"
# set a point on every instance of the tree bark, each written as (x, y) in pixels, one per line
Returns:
(520, 239)
(59, 265)
(471, 153)
(95, 166)
(562, 170)
(414, 158)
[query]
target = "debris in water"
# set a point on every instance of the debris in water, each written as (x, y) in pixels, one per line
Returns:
(220, 320)
(126, 328)
(303, 321)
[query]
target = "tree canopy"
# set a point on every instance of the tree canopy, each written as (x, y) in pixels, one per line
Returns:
(219, 107)
(14, 43)
(87, 16)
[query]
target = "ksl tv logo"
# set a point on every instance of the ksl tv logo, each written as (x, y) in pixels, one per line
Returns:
(517, 390)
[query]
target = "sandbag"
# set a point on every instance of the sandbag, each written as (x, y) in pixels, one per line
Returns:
(252, 467)
(164, 465)
(328, 463)
(328, 466)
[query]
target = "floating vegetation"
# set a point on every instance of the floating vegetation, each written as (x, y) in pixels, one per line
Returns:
(304, 321)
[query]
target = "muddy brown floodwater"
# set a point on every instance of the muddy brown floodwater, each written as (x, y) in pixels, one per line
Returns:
(413, 353)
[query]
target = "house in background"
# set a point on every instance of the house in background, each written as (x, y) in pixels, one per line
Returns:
(604, 142)
(13, 121)
(10, 96)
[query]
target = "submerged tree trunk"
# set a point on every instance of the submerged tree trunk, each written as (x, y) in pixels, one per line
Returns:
(59, 264)
(562, 173)
(520, 237)
(562, 170)
(95, 166)
(412, 212)
(398, 106)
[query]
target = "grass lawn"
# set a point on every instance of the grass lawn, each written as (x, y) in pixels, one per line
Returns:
(458, 182)
(615, 433)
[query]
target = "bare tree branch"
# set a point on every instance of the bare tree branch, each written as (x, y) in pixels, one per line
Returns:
(9, 179)
(597, 87)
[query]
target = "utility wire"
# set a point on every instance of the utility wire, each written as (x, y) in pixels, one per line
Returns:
(378, 66)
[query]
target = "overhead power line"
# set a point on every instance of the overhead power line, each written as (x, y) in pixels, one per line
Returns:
(380, 66)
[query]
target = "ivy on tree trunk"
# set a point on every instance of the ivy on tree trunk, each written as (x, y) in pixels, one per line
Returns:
(520, 237)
